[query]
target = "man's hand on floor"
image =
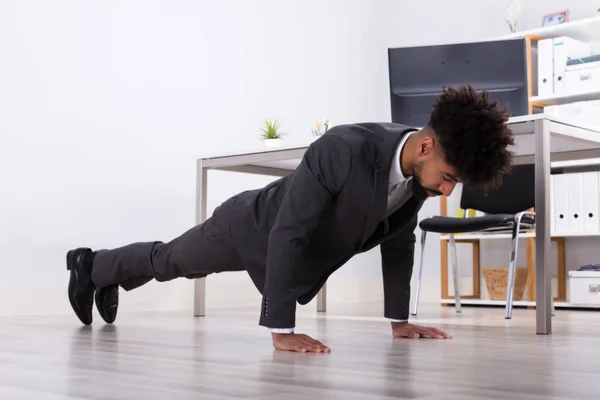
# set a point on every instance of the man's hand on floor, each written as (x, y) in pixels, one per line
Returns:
(407, 330)
(298, 342)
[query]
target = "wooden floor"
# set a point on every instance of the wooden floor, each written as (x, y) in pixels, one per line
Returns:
(227, 356)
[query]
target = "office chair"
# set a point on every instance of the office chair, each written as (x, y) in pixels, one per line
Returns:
(506, 209)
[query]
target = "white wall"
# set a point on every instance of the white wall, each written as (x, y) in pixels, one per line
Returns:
(106, 106)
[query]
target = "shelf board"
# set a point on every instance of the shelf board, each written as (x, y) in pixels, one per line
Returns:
(519, 303)
(557, 99)
(586, 29)
(587, 162)
(492, 236)
(575, 234)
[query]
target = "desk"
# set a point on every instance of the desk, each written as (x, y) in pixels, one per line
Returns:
(538, 139)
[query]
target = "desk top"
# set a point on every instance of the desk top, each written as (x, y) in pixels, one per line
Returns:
(566, 137)
(255, 150)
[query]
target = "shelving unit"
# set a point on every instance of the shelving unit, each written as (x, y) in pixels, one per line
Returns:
(587, 29)
(544, 101)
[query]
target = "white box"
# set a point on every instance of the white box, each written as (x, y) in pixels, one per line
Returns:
(575, 112)
(584, 287)
(586, 113)
(566, 48)
(581, 78)
(592, 115)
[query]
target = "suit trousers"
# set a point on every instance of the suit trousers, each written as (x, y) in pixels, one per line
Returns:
(202, 250)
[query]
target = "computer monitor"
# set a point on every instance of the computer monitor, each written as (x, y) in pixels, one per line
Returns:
(418, 74)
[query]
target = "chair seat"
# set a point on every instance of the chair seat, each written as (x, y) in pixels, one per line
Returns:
(442, 224)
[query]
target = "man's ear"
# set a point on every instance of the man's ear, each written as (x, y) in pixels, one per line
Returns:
(425, 146)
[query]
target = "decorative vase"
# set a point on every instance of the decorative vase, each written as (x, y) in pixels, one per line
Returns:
(513, 14)
(273, 142)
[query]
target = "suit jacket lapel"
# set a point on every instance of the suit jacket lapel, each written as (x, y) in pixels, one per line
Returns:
(381, 179)
(397, 222)
(405, 213)
(409, 208)
(378, 205)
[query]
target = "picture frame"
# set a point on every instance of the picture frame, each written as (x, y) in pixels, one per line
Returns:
(555, 18)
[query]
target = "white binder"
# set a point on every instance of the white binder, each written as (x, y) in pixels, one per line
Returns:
(546, 67)
(561, 203)
(575, 199)
(591, 182)
(566, 48)
(552, 211)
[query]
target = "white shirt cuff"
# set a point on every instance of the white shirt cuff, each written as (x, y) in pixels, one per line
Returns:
(398, 320)
(282, 330)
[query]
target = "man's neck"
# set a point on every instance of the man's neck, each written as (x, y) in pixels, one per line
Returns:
(406, 155)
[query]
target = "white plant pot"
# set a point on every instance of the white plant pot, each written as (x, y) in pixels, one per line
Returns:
(273, 142)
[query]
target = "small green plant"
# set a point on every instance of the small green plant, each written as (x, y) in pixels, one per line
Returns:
(270, 130)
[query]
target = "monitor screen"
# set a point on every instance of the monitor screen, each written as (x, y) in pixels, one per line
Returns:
(418, 74)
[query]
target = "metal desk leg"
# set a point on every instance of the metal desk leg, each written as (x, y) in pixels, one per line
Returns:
(542, 230)
(200, 284)
(199, 297)
(322, 299)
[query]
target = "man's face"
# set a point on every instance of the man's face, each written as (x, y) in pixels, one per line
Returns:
(434, 177)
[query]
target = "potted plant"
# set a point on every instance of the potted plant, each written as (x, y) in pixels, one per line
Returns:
(270, 133)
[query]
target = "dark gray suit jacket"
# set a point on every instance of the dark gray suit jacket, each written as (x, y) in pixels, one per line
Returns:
(294, 233)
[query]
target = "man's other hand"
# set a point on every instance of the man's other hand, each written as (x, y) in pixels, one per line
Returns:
(298, 342)
(407, 330)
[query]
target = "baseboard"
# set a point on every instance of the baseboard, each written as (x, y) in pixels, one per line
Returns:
(50, 297)
(226, 291)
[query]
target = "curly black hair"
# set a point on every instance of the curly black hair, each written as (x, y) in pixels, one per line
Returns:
(473, 134)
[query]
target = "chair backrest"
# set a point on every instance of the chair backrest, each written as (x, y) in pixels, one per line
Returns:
(516, 194)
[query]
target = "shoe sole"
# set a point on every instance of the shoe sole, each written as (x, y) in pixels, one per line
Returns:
(72, 283)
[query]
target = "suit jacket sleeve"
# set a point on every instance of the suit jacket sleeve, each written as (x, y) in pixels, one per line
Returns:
(397, 257)
(320, 176)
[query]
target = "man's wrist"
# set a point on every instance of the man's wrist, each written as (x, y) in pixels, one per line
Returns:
(282, 330)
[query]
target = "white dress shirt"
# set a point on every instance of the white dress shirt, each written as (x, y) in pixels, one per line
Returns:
(398, 185)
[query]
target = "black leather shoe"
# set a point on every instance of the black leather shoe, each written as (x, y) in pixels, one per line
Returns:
(81, 288)
(107, 302)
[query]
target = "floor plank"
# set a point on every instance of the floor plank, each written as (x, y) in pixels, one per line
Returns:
(226, 355)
